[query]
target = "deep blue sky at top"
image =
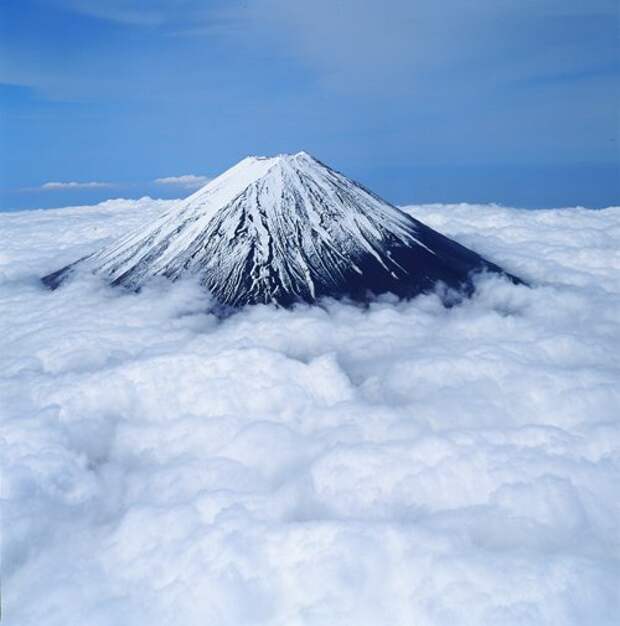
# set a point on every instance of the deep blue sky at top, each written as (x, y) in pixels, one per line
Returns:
(512, 101)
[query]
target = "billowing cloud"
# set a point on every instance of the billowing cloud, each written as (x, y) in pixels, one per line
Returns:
(189, 181)
(74, 185)
(332, 464)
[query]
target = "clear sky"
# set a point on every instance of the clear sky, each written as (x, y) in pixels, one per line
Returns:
(510, 101)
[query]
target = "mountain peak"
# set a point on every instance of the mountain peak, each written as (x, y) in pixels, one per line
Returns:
(296, 158)
(285, 229)
(286, 156)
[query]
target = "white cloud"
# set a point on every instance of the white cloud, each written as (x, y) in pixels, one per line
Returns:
(74, 185)
(323, 465)
(189, 181)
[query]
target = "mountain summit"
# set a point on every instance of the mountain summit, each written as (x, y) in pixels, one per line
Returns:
(286, 229)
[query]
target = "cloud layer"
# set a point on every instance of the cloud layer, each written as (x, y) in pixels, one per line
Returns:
(400, 464)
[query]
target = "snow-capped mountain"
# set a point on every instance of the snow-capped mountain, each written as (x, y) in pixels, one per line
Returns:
(285, 229)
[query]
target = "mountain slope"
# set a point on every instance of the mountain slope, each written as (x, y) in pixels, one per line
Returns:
(286, 229)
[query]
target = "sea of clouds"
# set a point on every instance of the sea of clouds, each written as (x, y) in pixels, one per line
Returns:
(397, 465)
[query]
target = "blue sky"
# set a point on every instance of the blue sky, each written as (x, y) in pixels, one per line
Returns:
(481, 101)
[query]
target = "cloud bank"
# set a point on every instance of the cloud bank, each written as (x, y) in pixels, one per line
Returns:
(187, 181)
(74, 185)
(401, 464)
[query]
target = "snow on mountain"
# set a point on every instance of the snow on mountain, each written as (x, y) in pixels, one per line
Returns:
(285, 229)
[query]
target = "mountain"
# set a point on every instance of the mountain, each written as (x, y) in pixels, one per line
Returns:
(285, 229)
